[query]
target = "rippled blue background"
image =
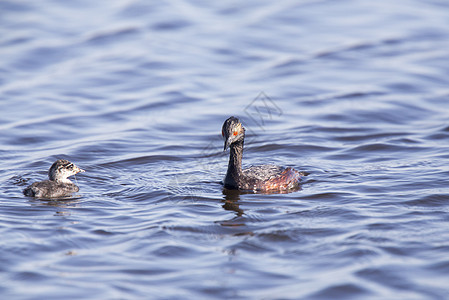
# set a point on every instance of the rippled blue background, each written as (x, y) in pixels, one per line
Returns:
(356, 93)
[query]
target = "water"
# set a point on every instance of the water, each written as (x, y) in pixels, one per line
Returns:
(353, 92)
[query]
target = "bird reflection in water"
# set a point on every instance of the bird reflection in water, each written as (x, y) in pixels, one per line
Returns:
(231, 201)
(62, 206)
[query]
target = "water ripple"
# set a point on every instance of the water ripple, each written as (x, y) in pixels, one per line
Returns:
(136, 94)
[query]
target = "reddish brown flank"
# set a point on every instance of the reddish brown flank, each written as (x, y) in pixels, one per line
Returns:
(287, 180)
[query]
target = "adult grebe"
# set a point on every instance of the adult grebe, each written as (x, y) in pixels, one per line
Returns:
(264, 178)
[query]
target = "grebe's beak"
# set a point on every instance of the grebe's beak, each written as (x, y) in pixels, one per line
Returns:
(79, 170)
(228, 143)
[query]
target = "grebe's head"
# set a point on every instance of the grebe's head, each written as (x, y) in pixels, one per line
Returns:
(232, 132)
(62, 169)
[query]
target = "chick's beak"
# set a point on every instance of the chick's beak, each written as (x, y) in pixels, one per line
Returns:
(79, 170)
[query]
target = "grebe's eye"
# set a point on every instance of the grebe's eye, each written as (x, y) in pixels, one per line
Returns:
(222, 132)
(235, 133)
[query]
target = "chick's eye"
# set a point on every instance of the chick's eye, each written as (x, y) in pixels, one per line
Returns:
(235, 133)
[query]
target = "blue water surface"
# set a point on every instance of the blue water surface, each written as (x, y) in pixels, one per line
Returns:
(354, 93)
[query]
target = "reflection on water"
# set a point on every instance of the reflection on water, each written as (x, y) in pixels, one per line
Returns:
(353, 93)
(60, 203)
(231, 201)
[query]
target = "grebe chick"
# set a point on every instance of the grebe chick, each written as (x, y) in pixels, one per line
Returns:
(58, 184)
(264, 178)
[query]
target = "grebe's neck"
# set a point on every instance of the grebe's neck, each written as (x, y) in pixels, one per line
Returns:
(235, 164)
(62, 180)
